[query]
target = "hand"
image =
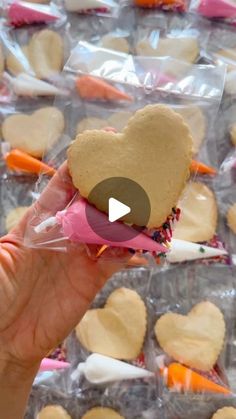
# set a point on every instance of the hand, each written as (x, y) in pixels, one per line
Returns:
(45, 293)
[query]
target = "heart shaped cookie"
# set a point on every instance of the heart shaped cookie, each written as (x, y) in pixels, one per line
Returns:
(53, 412)
(185, 49)
(36, 133)
(44, 55)
(118, 329)
(196, 121)
(117, 43)
(195, 340)
(156, 139)
(225, 413)
(198, 219)
(102, 413)
(231, 218)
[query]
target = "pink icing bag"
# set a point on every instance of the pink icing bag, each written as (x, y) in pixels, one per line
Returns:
(20, 13)
(217, 8)
(75, 227)
(49, 364)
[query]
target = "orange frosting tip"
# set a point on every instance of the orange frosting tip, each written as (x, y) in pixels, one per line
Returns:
(197, 167)
(92, 88)
(19, 160)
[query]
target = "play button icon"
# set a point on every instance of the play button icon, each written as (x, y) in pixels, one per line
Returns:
(123, 201)
(117, 210)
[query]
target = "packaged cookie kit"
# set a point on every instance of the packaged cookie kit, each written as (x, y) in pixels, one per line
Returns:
(226, 196)
(167, 5)
(223, 10)
(184, 304)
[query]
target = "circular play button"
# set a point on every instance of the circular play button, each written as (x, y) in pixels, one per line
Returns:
(125, 209)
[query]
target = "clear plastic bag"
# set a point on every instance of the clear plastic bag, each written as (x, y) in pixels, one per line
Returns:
(143, 79)
(168, 5)
(215, 9)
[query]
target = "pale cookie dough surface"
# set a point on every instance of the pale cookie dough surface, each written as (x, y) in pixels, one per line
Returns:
(228, 55)
(118, 329)
(231, 218)
(19, 63)
(14, 216)
(102, 413)
(164, 157)
(113, 42)
(185, 49)
(53, 412)
(195, 340)
(225, 413)
(36, 133)
(196, 121)
(46, 53)
(198, 219)
(2, 60)
(91, 123)
(233, 134)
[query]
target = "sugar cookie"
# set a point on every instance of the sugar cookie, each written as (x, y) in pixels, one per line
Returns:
(225, 413)
(185, 49)
(19, 62)
(102, 413)
(198, 219)
(118, 329)
(233, 134)
(53, 412)
(91, 123)
(167, 139)
(14, 216)
(36, 133)
(46, 53)
(231, 218)
(2, 60)
(229, 56)
(114, 42)
(196, 121)
(196, 339)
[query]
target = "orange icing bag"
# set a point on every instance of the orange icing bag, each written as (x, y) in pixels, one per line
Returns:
(92, 88)
(183, 379)
(18, 160)
(198, 167)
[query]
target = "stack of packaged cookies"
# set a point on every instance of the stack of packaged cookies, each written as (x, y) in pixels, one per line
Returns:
(138, 96)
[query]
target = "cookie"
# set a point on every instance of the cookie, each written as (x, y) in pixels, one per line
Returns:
(196, 339)
(102, 413)
(196, 121)
(91, 123)
(233, 134)
(114, 42)
(185, 49)
(14, 216)
(225, 413)
(198, 219)
(18, 62)
(46, 53)
(36, 133)
(119, 120)
(1, 60)
(164, 157)
(53, 412)
(118, 329)
(231, 218)
(228, 55)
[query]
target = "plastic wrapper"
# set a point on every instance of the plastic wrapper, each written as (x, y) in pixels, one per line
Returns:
(20, 13)
(226, 194)
(224, 10)
(146, 81)
(96, 7)
(221, 49)
(168, 5)
(178, 291)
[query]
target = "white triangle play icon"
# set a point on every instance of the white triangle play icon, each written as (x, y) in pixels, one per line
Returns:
(117, 210)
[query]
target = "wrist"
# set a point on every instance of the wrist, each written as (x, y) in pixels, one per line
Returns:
(15, 374)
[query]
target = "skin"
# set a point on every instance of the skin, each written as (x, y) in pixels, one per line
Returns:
(43, 295)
